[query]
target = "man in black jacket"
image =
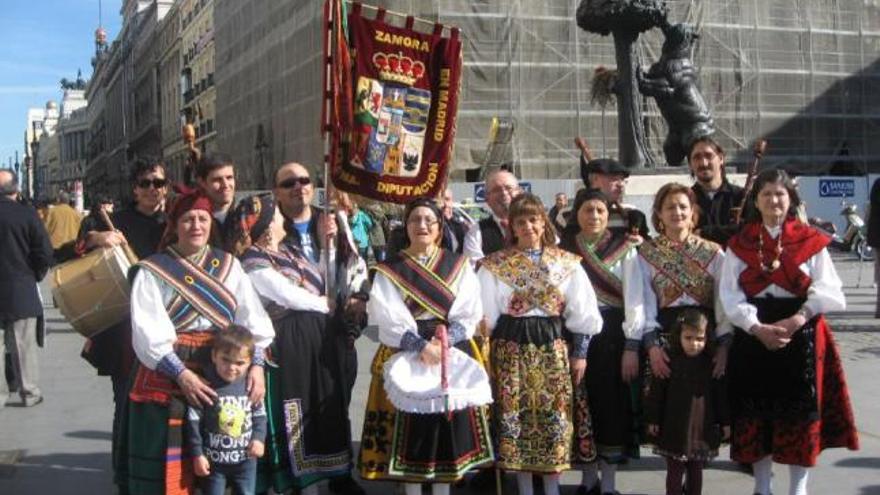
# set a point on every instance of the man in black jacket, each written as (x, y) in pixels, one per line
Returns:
(715, 195)
(490, 234)
(308, 229)
(141, 227)
(27, 256)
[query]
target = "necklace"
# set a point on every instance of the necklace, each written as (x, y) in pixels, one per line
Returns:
(775, 264)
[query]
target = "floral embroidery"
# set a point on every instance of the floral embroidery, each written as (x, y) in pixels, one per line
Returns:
(681, 268)
(535, 285)
(533, 406)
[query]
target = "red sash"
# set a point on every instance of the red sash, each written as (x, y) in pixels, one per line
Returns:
(153, 386)
(800, 242)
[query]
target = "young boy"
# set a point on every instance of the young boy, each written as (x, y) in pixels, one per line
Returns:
(226, 439)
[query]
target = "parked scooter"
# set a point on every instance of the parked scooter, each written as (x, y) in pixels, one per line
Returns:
(855, 236)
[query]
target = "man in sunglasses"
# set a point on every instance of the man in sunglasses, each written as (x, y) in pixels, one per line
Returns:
(215, 175)
(141, 227)
(308, 230)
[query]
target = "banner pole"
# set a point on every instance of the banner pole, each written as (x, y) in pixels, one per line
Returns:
(329, 21)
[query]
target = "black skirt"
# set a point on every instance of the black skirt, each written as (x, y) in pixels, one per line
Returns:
(309, 427)
(774, 384)
(436, 448)
(609, 397)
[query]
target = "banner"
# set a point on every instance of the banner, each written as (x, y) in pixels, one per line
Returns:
(394, 94)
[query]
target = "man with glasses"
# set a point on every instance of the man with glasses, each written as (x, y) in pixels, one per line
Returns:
(308, 230)
(141, 227)
(490, 234)
(215, 175)
(609, 176)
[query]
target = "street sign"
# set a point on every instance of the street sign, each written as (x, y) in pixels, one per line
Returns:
(837, 188)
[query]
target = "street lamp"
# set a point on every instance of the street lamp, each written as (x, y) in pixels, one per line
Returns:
(260, 148)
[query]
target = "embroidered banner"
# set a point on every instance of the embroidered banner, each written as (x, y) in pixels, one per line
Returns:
(394, 95)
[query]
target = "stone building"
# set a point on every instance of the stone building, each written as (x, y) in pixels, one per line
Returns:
(43, 147)
(269, 85)
(197, 69)
(804, 75)
(73, 133)
(168, 62)
(124, 123)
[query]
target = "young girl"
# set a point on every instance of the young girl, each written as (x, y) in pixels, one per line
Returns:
(687, 412)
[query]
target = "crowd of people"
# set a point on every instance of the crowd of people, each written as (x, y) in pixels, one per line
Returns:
(527, 342)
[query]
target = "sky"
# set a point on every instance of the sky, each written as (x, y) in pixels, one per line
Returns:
(42, 41)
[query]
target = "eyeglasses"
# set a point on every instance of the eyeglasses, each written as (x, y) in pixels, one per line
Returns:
(510, 190)
(291, 182)
(157, 183)
(428, 221)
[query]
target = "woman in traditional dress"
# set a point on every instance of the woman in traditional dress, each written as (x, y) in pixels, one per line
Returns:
(179, 298)
(679, 270)
(306, 395)
(422, 294)
(528, 291)
(610, 260)
(787, 388)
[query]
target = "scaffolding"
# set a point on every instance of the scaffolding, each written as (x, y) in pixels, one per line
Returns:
(802, 73)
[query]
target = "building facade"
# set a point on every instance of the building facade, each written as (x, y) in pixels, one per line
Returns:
(43, 147)
(269, 86)
(73, 134)
(804, 75)
(169, 63)
(124, 95)
(197, 70)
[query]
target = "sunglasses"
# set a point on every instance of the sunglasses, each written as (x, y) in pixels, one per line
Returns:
(157, 183)
(291, 182)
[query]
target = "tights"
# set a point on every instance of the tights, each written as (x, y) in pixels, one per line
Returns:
(524, 484)
(675, 471)
(763, 470)
(591, 475)
(416, 488)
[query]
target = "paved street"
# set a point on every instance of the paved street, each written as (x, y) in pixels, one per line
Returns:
(63, 445)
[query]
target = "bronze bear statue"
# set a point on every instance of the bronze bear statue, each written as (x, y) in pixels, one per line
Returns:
(672, 82)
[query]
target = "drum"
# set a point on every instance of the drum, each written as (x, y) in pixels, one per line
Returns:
(416, 388)
(92, 292)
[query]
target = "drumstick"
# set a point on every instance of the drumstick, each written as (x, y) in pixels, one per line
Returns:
(125, 247)
(106, 218)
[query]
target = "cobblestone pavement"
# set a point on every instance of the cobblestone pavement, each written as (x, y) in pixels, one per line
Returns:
(63, 445)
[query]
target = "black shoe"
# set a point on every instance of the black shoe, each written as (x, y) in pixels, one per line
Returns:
(582, 490)
(345, 486)
(484, 480)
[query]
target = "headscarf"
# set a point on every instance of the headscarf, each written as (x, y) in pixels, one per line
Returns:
(187, 199)
(424, 203)
(250, 220)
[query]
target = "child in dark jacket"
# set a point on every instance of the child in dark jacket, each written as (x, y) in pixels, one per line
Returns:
(226, 439)
(687, 413)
